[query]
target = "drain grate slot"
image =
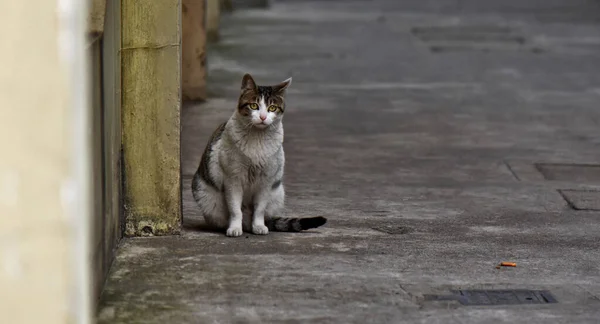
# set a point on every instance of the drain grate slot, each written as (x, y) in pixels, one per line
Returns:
(504, 297)
(471, 38)
(492, 297)
(468, 34)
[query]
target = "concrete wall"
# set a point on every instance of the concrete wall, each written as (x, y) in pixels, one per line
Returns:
(105, 64)
(44, 196)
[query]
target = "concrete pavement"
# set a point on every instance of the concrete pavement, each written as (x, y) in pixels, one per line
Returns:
(438, 137)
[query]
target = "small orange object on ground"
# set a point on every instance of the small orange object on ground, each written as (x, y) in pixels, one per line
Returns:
(508, 264)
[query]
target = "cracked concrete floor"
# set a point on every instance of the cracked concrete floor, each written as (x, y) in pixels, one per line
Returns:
(435, 136)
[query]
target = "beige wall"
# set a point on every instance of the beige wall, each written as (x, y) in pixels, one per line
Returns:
(42, 275)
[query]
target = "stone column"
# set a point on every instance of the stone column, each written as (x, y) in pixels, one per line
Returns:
(194, 50)
(151, 104)
(213, 15)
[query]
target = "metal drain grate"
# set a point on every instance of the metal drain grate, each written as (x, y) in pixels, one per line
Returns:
(479, 34)
(471, 38)
(484, 297)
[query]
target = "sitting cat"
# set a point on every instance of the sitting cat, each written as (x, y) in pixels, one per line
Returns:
(238, 185)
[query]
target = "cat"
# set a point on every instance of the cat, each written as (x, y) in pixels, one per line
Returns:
(239, 182)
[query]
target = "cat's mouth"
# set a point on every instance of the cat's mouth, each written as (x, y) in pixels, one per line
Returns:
(261, 125)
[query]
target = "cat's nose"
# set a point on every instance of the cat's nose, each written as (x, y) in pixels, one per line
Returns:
(263, 117)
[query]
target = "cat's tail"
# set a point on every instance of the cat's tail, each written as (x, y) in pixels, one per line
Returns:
(286, 224)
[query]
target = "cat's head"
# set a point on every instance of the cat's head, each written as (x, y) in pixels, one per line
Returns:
(262, 106)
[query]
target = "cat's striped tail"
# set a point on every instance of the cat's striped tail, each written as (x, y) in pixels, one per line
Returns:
(286, 224)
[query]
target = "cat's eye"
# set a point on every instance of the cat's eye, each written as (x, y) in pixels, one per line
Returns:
(253, 106)
(273, 108)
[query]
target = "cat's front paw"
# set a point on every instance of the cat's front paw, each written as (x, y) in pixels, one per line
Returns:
(234, 231)
(260, 229)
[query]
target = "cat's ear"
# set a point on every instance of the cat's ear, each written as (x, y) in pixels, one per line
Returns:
(282, 86)
(248, 83)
